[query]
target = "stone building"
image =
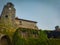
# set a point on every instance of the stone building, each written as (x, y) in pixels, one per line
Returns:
(8, 18)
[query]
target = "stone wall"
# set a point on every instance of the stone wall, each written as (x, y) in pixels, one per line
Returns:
(26, 24)
(8, 20)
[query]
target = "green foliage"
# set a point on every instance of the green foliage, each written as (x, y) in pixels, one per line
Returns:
(54, 42)
(18, 40)
(41, 38)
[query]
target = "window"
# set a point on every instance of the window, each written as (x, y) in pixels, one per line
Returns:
(20, 22)
(6, 16)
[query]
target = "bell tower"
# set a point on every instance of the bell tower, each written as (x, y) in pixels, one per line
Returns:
(8, 15)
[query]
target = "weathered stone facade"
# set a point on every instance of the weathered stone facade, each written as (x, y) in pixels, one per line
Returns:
(8, 15)
(8, 19)
(26, 23)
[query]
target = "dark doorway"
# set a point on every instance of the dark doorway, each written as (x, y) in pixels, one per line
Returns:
(5, 40)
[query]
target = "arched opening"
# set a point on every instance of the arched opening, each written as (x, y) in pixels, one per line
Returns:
(5, 40)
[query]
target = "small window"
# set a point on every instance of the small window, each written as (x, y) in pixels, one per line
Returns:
(6, 16)
(20, 22)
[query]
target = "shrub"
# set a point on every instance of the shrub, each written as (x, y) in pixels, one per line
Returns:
(18, 40)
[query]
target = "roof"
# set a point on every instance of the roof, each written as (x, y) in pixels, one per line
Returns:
(25, 20)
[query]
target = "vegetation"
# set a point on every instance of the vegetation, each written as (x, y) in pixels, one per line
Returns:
(41, 39)
(32, 37)
(54, 42)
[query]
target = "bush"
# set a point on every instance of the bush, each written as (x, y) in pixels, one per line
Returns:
(18, 40)
(54, 42)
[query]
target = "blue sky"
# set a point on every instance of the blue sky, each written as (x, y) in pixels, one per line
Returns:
(45, 12)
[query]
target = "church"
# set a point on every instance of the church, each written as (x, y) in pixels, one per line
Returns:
(8, 19)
